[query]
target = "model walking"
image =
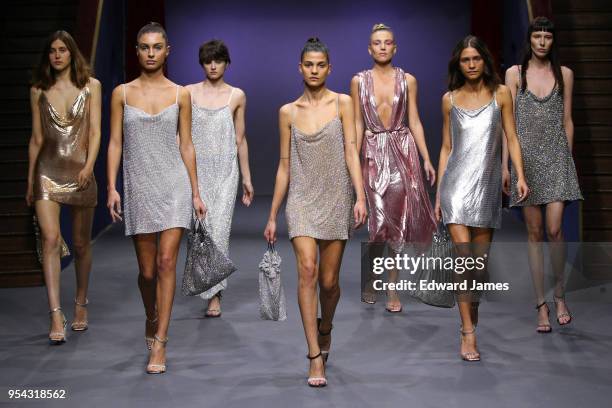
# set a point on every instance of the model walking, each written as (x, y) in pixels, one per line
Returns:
(160, 184)
(219, 138)
(475, 110)
(65, 102)
(318, 164)
(542, 92)
(388, 124)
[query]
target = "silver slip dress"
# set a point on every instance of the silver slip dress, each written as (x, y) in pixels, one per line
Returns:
(214, 139)
(156, 188)
(471, 187)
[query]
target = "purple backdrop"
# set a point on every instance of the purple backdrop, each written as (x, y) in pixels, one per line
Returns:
(265, 40)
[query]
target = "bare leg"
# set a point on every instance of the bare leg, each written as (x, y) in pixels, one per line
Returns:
(558, 256)
(169, 242)
(146, 253)
(48, 213)
(329, 288)
(394, 305)
(368, 294)
(535, 238)
(82, 220)
(305, 249)
(481, 243)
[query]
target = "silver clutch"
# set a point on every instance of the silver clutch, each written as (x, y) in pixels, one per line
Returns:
(206, 265)
(272, 303)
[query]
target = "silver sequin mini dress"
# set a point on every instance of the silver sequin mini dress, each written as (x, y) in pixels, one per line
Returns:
(547, 161)
(156, 188)
(470, 190)
(320, 199)
(214, 139)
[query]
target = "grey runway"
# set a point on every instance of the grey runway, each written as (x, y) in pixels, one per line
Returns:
(377, 358)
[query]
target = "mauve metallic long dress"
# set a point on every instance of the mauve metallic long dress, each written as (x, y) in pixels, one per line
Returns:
(214, 140)
(471, 187)
(156, 188)
(320, 198)
(400, 209)
(63, 153)
(549, 167)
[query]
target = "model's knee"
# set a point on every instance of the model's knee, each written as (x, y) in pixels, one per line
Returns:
(307, 273)
(165, 263)
(554, 233)
(51, 240)
(81, 248)
(329, 285)
(535, 233)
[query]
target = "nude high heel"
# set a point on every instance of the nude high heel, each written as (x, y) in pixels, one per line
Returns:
(56, 338)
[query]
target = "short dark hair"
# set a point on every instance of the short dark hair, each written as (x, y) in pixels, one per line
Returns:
(213, 50)
(455, 76)
(152, 27)
(313, 44)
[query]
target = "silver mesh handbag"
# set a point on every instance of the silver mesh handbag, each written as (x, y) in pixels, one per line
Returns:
(206, 265)
(272, 303)
(441, 247)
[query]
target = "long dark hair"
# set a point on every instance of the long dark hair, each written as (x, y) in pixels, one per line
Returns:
(455, 76)
(313, 44)
(44, 75)
(542, 24)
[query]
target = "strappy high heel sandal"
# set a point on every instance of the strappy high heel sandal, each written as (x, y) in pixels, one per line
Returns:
(80, 325)
(470, 355)
(214, 312)
(325, 353)
(543, 328)
(149, 340)
(157, 368)
(562, 315)
(56, 338)
(317, 382)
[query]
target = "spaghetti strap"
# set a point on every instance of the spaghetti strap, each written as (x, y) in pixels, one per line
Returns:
(177, 90)
(230, 97)
(124, 95)
(338, 105)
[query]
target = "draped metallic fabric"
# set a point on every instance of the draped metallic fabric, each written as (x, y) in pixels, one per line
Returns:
(63, 153)
(156, 188)
(214, 139)
(547, 161)
(399, 206)
(470, 190)
(320, 199)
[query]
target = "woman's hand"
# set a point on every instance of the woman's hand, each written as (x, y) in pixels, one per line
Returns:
(84, 178)
(522, 189)
(199, 207)
(270, 231)
(438, 210)
(360, 212)
(113, 203)
(506, 181)
(430, 172)
(29, 197)
(247, 192)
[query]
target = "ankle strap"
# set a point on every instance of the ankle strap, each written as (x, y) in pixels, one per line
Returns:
(162, 341)
(313, 357)
(152, 321)
(76, 302)
(464, 332)
(57, 309)
(540, 305)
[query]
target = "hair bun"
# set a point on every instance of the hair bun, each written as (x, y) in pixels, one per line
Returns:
(313, 40)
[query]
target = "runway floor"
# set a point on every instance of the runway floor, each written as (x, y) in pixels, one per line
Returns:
(377, 359)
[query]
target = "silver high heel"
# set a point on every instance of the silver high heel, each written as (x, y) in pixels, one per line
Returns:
(56, 338)
(470, 355)
(83, 325)
(157, 368)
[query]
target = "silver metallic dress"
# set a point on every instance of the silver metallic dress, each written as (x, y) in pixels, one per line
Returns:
(320, 199)
(156, 188)
(470, 190)
(549, 168)
(214, 139)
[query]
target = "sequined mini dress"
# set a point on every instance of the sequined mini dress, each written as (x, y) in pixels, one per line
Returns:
(320, 198)
(214, 139)
(471, 187)
(156, 188)
(547, 161)
(399, 206)
(63, 153)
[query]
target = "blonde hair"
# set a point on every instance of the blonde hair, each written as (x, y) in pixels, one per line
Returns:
(380, 27)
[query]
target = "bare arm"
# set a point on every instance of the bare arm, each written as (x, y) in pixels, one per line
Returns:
(512, 82)
(445, 149)
(243, 149)
(36, 141)
(568, 123)
(187, 150)
(352, 157)
(507, 110)
(95, 117)
(359, 124)
(282, 174)
(115, 147)
(416, 128)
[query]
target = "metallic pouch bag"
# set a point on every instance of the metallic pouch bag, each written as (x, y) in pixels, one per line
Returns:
(64, 250)
(272, 303)
(206, 265)
(441, 247)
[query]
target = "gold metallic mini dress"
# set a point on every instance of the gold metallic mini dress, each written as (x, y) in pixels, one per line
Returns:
(63, 154)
